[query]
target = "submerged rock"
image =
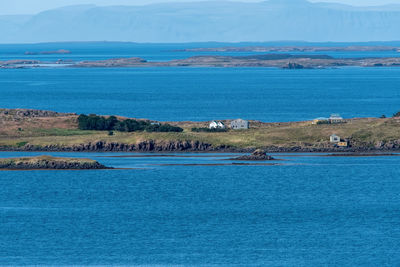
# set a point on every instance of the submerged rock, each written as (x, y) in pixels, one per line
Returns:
(259, 154)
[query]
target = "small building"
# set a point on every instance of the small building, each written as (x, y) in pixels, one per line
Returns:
(240, 124)
(335, 118)
(343, 144)
(334, 138)
(320, 120)
(216, 125)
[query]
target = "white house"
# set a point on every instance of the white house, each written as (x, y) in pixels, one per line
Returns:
(239, 124)
(216, 125)
(334, 138)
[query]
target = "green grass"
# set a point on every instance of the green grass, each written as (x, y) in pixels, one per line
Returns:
(60, 132)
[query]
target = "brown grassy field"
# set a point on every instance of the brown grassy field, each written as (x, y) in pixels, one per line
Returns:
(63, 131)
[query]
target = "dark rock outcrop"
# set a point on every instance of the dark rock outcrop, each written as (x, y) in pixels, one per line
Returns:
(259, 154)
(50, 163)
(32, 113)
(292, 66)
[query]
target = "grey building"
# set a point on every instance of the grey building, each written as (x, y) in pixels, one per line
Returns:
(336, 118)
(239, 124)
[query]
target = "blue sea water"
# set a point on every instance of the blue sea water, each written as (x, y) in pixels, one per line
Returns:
(308, 211)
(198, 94)
(203, 94)
(164, 52)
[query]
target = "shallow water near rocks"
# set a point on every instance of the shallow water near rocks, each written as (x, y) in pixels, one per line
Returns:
(309, 211)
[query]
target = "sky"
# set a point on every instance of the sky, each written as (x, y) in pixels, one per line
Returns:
(11, 7)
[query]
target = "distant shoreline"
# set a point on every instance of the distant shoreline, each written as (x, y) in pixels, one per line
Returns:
(274, 57)
(293, 48)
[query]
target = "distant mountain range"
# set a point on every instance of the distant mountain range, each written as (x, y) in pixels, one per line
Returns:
(207, 21)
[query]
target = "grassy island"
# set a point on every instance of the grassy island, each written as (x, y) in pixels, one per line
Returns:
(28, 130)
(49, 163)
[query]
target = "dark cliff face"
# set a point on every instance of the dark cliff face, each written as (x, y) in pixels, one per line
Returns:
(145, 146)
(197, 146)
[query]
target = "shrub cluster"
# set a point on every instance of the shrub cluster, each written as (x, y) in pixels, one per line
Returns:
(99, 123)
(94, 122)
(396, 115)
(208, 130)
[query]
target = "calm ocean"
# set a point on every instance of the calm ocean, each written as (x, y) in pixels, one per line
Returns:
(198, 94)
(309, 211)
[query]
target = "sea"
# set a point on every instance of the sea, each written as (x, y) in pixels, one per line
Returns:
(200, 209)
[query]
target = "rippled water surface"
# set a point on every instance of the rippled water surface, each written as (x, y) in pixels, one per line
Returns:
(200, 209)
(204, 94)
(307, 211)
(198, 94)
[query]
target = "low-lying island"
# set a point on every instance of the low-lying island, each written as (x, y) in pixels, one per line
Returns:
(49, 163)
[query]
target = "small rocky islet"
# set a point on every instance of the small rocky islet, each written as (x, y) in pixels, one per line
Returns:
(49, 163)
(257, 155)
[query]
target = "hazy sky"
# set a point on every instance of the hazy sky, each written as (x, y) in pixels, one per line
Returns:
(34, 6)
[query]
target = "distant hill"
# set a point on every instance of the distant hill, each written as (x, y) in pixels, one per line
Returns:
(207, 21)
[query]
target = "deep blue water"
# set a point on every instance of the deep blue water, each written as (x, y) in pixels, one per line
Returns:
(310, 211)
(199, 94)
(203, 94)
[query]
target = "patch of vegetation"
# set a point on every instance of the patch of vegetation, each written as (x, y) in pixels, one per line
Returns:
(396, 115)
(363, 135)
(21, 144)
(94, 122)
(208, 130)
(99, 123)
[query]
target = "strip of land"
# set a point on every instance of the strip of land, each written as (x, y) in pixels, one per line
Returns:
(49, 163)
(356, 48)
(33, 130)
(285, 61)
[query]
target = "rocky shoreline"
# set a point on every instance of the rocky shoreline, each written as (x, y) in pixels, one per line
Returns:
(49, 163)
(38, 130)
(189, 146)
